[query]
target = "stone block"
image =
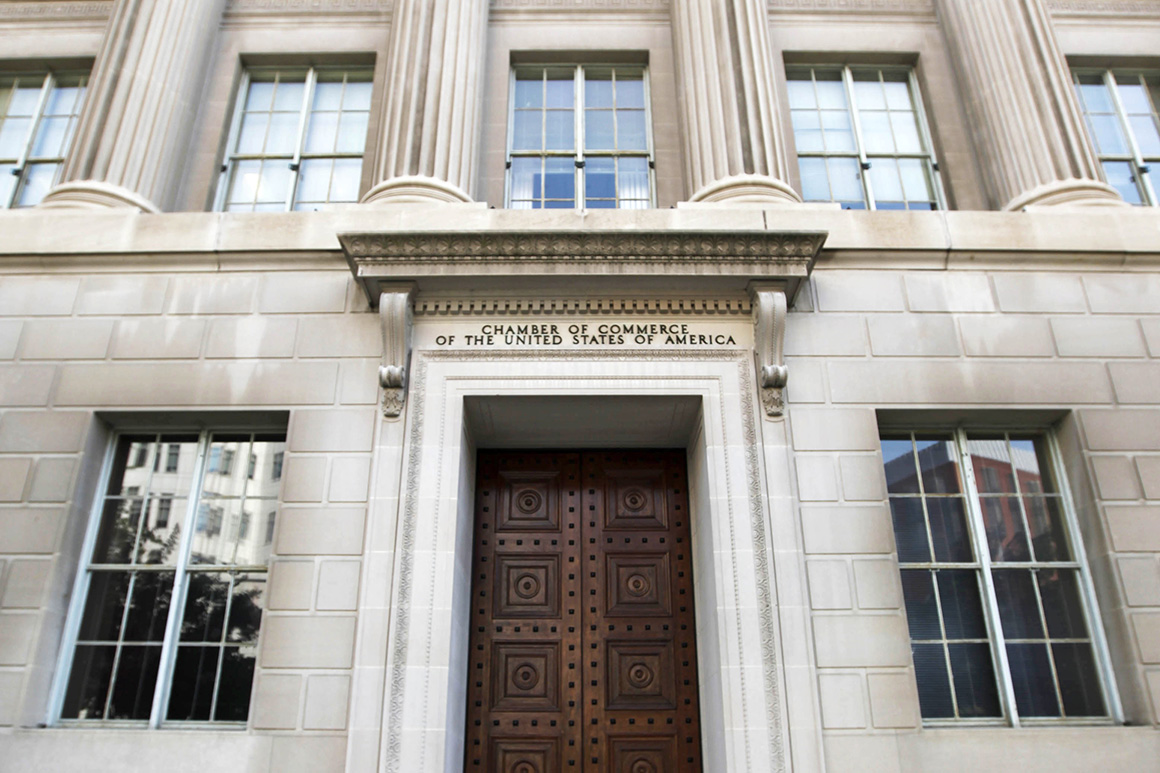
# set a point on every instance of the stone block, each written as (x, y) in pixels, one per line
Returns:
(359, 382)
(861, 641)
(1151, 328)
(338, 583)
(321, 531)
(862, 478)
(1115, 477)
(829, 585)
(1006, 336)
(344, 429)
(11, 683)
(303, 292)
(277, 698)
(291, 585)
(959, 291)
(53, 480)
(21, 297)
(308, 754)
(27, 583)
(834, 429)
(1152, 677)
(350, 335)
(807, 383)
(913, 335)
(825, 335)
(13, 475)
(1134, 528)
(189, 384)
(251, 337)
(119, 294)
(893, 700)
(843, 701)
(1097, 337)
(312, 641)
(877, 584)
(1123, 293)
(327, 698)
(972, 382)
(29, 530)
(1122, 430)
(25, 385)
(1149, 467)
(1141, 580)
(43, 431)
(9, 337)
(17, 631)
(66, 339)
(847, 529)
(304, 479)
(1147, 628)
(1136, 383)
(857, 753)
(158, 339)
(858, 291)
(349, 479)
(815, 478)
(1039, 292)
(213, 294)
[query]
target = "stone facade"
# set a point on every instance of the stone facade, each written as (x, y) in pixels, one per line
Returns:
(373, 334)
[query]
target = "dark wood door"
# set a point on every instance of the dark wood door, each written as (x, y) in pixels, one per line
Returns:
(583, 652)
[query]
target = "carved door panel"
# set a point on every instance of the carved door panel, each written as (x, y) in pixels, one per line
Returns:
(582, 653)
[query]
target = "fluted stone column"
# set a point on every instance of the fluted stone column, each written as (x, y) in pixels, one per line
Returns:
(430, 116)
(134, 129)
(1022, 107)
(729, 106)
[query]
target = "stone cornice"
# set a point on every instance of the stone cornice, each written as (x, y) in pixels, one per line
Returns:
(265, 8)
(470, 306)
(1106, 8)
(59, 10)
(580, 5)
(861, 7)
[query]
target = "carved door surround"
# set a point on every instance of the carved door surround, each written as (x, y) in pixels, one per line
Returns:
(583, 648)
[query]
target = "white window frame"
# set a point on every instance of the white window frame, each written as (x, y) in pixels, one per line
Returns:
(294, 161)
(1134, 158)
(181, 569)
(26, 159)
(578, 151)
(865, 160)
(982, 565)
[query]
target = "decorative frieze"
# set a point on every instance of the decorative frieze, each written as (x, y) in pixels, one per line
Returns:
(899, 7)
(56, 11)
(277, 7)
(539, 306)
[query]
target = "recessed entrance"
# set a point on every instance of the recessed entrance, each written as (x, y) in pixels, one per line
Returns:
(582, 652)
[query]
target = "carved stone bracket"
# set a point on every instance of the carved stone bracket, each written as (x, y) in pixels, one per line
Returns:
(769, 312)
(395, 311)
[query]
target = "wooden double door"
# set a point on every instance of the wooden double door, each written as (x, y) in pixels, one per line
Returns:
(583, 642)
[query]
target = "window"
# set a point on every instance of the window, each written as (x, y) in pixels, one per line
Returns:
(1120, 110)
(276, 470)
(580, 129)
(998, 598)
(165, 620)
(297, 140)
(861, 140)
(38, 115)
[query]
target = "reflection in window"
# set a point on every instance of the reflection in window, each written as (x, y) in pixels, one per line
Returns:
(297, 140)
(1119, 108)
(995, 591)
(861, 138)
(142, 564)
(38, 117)
(580, 138)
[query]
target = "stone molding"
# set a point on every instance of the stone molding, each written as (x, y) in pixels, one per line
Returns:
(277, 7)
(906, 7)
(580, 5)
(1134, 8)
(539, 306)
(53, 11)
(94, 194)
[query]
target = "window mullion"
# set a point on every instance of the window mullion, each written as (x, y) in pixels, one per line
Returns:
(507, 196)
(927, 139)
(979, 538)
(863, 161)
(300, 138)
(180, 584)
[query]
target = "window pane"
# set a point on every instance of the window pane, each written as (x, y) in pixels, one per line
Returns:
(916, 180)
(629, 91)
(597, 92)
(88, 686)
(921, 604)
(273, 185)
(876, 135)
(1120, 176)
(909, 530)
(357, 93)
(948, 529)
(1144, 130)
(807, 131)
(1095, 97)
(598, 134)
(216, 533)
(38, 180)
(288, 96)
(815, 181)
(252, 136)
(560, 179)
(1018, 608)
(327, 95)
(898, 461)
(13, 136)
(846, 182)
(244, 182)
(906, 136)
(1048, 536)
(50, 137)
(831, 91)
(352, 132)
(559, 92)
(1032, 680)
(897, 88)
(934, 689)
(801, 92)
(194, 675)
(940, 469)
(321, 133)
(105, 606)
(524, 172)
(559, 130)
(529, 93)
(149, 609)
(260, 96)
(993, 472)
(283, 133)
(1133, 96)
(345, 182)
(838, 132)
(246, 605)
(630, 130)
(1079, 682)
(237, 678)
(1061, 605)
(314, 181)
(1006, 536)
(974, 673)
(962, 607)
(1108, 135)
(633, 178)
(885, 181)
(868, 91)
(134, 682)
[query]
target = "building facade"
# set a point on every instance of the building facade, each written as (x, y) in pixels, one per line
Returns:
(816, 428)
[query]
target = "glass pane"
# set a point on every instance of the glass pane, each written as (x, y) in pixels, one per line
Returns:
(1032, 680)
(940, 470)
(7, 183)
(25, 99)
(885, 181)
(962, 607)
(62, 100)
(948, 529)
(1144, 130)
(352, 133)
(916, 183)
(88, 684)
(876, 132)
(249, 599)
(909, 530)
(559, 130)
(174, 465)
(252, 136)
(50, 137)
(1108, 135)
(897, 88)
(1018, 609)
(205, 607)
(1079, 681)
(1061, 604)
(807, 131)
(216, 533)
(560, 178)
(150, 607)
(1095, 97)
(634, 179)
(1006, 536)
(343, 188)
(225, 469)
(598, 92)
(934, 689)
(117, 535)
(629, 92)
(801, 92)
(1120, 176)
(357, 95)
(524, 171)
(1133, 96)
(273, 186)
(194, 674)
(105, 606)
(327, 95)
(815, 182)
(288, 96)
(906, 137)
(134, 683)
(839, 134)
(314, 180)
(846, 181)
(38, 180)
(282, 135)
(921, 604)
(529, 93)
(993, 472)
(321, 133)
(260, 95)
(600, 178)
(1045, 516)
(244, 183)
(868, 91)
(559, 91)
(161, 531)
(631, 133)
(13, 135)
(233, 700)
(974, 673)
(598, 134)
(831, 91)
(898, 462)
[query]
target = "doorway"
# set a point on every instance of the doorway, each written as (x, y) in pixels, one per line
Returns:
(582, 652)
